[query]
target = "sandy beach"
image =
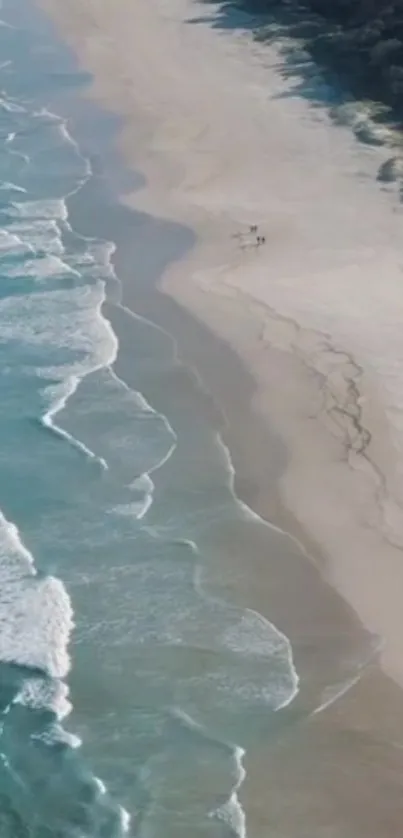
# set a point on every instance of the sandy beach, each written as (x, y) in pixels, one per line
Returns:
(314, 311)
(313, 406)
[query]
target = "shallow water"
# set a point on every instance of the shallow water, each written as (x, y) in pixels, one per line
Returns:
(112, 517)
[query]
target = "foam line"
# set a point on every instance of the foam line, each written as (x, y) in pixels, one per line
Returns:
(47, 421)
(231, 812)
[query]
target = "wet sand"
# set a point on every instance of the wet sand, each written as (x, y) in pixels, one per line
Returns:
(339, 771)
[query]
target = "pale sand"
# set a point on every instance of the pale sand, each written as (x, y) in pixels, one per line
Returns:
(315, 315)
(220, 152)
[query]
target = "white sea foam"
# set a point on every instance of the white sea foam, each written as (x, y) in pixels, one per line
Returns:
(9, 142)
(332, 694)
(138, 508)
(62, 319)
(250, 635)
(231, 812)
(63, 332)
(35, 613)
(65, 135)
(56, 735)
(11, 107)
(42, 267)
(233, 816)
(125, 819)
(76, 317)
(11, 245)
(59, 397)
(45, 693)
(255, 636)
(11, 187)
(36, 627)
(44, 209)
(36, 223)
(100, 785)
(246, 510)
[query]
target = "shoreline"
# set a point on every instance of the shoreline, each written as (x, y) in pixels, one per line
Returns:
(203, 382)
(276, 336)
(331, 773)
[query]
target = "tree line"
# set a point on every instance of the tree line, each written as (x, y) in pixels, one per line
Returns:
(359, 40)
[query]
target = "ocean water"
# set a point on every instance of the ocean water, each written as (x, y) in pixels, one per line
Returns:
(129, 688)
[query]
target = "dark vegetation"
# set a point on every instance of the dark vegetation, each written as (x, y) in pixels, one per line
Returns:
(365, 43)
(358, 43)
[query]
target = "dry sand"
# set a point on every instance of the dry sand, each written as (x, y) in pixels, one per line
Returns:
(315, 315)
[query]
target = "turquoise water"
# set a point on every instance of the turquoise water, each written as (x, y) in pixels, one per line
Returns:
(129, 688)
